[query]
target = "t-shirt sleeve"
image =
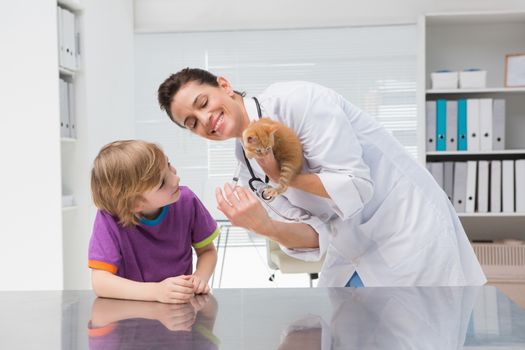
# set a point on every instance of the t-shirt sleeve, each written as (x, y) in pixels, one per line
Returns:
(104, 253)
(204, 227)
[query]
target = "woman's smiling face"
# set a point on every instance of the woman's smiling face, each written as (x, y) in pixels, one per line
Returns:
(213, 112)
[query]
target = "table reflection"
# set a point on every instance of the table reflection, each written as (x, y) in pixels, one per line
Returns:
(117, 324)
(383, 318)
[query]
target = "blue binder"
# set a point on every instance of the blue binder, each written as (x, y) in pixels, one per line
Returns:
(441, 125)
(462, 125)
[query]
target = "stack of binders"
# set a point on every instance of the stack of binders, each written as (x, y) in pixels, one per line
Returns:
(483, 186)
(465, 125)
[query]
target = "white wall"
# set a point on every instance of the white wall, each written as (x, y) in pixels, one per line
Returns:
(106, 114)
(30, 199)
(36, 253)
(183, 15)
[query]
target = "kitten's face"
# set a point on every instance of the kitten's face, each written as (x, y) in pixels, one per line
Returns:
(258, 139)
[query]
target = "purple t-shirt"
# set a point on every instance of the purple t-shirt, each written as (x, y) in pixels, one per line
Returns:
(154, 249)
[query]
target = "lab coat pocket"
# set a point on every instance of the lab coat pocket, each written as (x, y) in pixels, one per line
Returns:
(403, 224)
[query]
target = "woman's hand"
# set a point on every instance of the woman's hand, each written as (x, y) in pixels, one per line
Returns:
(242, 208)
(270, 166)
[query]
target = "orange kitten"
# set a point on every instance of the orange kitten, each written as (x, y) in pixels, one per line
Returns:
(263, 136)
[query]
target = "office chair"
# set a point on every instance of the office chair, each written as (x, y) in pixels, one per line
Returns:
(279, 260)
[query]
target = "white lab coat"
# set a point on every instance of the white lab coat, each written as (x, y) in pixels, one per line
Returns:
(387, 218)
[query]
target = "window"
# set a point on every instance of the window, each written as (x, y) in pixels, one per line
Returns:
(374, 67)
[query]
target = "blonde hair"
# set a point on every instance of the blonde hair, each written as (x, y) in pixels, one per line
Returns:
(122, 172)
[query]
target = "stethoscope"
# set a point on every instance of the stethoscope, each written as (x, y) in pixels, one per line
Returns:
(258, 186)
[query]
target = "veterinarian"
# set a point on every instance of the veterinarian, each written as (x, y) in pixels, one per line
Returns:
(365, 203)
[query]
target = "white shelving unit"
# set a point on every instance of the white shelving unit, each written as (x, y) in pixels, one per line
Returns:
(73, 155)
(458, 41)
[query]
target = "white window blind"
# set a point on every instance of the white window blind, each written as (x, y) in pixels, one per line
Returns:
(374, 67)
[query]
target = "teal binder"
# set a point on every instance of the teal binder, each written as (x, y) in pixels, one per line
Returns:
(441, 125)
(462, 125)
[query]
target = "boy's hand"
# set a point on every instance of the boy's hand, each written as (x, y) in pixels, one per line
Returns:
(179, 317)
(199, 286)
(175, 290)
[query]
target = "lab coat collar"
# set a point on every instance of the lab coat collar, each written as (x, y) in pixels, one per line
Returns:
(251, 108)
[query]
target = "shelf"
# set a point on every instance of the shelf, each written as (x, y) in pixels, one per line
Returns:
(512, 154)
(72, 5)
(491, 215)
(70, 208)
(462, 18)
(477, 91)
(67, 71)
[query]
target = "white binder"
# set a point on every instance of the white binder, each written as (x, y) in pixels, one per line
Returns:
(64, 112)
(507, 185)
(431, 125)
(68, 37)
(460, 186)
(495, 186)
(436, 169)
(483, 186)
(470, 204)
(485, 124)
(448, 179)
(452, 125)
(473, 125)
(61, 49)
(498, 124)
(520, 185)
(71, 110)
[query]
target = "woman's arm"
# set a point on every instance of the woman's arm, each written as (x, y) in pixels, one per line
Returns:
(172, 290)
(243, 209)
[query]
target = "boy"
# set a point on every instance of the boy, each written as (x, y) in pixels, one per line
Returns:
(140, 248)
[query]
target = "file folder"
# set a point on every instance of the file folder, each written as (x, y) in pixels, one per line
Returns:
(436, 168)
(473, 124)
(71, 109)
(498, 124)
(452, 125)
(470, 204)
(441, 125)
(483, 186)
(520, 185)
(507, 186)
(64, 112)
(485, 124)
(495, 186)
(460, 186)
(448, 179)
(462, 125)
(431, 125)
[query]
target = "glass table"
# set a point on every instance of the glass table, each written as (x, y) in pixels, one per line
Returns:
(302, 318)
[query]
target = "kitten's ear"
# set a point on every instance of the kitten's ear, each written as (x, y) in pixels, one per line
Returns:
(250, 139)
